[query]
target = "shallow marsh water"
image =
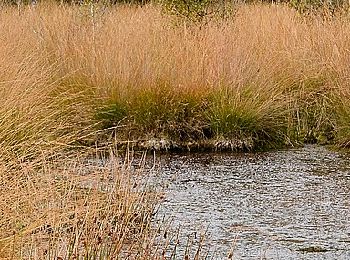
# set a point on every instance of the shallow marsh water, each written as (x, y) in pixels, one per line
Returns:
(292, 204)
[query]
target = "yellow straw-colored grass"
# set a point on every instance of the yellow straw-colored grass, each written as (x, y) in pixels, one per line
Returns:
(266, 74)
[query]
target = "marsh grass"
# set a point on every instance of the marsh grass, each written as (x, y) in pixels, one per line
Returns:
(267, 73)
(83, 207)
(241, 113)
(75, 210)
(271, 78)
(264, 78)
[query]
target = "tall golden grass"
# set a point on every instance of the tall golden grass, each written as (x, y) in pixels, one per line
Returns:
(267, 75)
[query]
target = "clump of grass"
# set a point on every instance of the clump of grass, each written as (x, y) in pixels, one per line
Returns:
(168, 113)
(53, 207)
(36, 114)
(314, 112)
(241, 114)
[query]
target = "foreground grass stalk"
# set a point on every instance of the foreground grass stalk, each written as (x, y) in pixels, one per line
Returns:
(73, 210)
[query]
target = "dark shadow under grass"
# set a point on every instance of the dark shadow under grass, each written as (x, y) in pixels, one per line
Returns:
(227, 118)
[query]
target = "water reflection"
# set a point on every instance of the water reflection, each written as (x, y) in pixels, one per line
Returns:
(291, 204)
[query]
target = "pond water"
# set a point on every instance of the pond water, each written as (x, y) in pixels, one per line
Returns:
(292, 204)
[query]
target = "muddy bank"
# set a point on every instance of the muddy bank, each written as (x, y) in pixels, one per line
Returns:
(205, 145)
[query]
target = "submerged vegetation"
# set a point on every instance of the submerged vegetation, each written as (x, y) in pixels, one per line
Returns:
(162, 76)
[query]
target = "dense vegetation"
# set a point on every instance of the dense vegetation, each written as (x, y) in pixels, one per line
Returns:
(239, 77)
(179, 75)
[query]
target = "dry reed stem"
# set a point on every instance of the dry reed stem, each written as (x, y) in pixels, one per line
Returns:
(72, 207)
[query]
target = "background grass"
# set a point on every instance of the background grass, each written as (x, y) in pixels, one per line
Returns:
(265, 73)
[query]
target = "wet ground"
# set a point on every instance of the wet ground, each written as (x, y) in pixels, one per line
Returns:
(292, 204)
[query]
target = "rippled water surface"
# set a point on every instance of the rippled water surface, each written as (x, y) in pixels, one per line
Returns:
(291, 204)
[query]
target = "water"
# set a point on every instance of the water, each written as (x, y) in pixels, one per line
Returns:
(291, 204)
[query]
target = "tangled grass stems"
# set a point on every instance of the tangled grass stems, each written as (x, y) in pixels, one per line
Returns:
(71, 209)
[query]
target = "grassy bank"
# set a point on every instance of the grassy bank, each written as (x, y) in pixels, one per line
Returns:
(264, 77)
